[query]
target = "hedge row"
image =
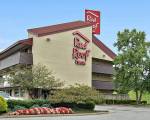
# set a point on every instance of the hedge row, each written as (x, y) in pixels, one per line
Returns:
(83, 105)
(132, 102)
(12, 104)
(26, 103)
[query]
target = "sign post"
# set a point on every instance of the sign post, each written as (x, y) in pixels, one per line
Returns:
(93, 17)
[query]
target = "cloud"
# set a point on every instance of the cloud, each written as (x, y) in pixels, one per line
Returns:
(1, 49)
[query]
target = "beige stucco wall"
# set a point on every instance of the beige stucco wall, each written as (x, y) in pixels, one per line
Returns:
(98, 53)
(57, 56)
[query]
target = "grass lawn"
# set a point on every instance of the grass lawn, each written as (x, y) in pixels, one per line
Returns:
(146, 96)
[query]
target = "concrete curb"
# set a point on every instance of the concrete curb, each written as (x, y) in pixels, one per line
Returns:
(54, 115)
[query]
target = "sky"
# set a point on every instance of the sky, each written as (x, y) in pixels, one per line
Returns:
(16, 16)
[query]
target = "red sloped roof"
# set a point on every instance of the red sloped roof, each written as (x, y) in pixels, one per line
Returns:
(103, 47)
(19, 44)
(47, 30)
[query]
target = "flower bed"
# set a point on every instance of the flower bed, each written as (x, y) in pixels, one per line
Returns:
(14, 105)
(43, 110)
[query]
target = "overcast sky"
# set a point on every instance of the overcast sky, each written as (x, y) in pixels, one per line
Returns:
(18, 15)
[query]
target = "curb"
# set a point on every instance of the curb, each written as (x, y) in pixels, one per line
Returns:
(54, 115)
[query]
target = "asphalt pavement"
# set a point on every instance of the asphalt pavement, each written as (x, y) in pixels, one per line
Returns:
(115, 113)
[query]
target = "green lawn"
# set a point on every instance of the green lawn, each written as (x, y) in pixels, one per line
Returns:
(146, 96)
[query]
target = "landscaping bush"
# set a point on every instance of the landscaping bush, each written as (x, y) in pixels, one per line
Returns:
(79, 105)
(39, 102)
(17, 104)
(26, 103)
(35, 106)
(13, 103)
(3, 105)
(64, 104)
(86, 105)
(74, 94)
(47, 105)
(79, 96)
(17, 107)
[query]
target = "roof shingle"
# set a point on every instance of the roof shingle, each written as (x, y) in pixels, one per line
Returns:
(47, 30)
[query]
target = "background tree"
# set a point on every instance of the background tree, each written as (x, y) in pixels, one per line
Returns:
(32, 77)
(132, 64)
(2, 72)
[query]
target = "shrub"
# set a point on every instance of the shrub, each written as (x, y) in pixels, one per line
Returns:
(35, 106)
(39, 102)
(74, 94)
(26, 103)
(47, 105)
(17, 104)
(64, 104)
(78, 96)
(13, 103)
(3, 105)
(86, 105)
(17, 107)
(80, 105)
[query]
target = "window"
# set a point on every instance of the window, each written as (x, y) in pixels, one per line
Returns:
(16, 92)
(22, 92)
(9, 91)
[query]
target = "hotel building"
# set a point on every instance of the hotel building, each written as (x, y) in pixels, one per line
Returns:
(70, 50)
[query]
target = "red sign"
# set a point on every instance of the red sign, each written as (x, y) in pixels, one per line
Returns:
(93, 17)
(80, 52)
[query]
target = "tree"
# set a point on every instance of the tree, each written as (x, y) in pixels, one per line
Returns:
(132, 65)
(33, 77)
(2, 72)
